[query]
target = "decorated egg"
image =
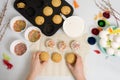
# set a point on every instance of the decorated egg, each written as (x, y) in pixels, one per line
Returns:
(115, 45)
(117, 52)
(105, 39)
(110, 51)
(103, 34)
(103, 43)
(111, 37)
(117, 38)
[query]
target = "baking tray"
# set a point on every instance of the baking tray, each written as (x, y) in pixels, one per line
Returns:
(34, 8)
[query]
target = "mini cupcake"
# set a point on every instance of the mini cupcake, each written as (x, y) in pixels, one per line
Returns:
(47, 11)
(50, 43)
(57, 19)
(56, 57)
(44, 56)
(70, 58)
(62, 45)
(21, 5)
(56, 3)
(39, 20)
(65, 10)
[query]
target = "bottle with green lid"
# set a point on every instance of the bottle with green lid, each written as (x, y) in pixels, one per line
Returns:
(101, 23)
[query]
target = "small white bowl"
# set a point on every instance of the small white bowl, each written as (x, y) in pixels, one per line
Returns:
(13, 20)
(74, 26)
(30, 29)
(14, 43)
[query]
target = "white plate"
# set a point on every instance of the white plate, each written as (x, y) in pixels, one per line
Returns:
(13, 44)
(74, 26)
(15, 19)
(30, 29)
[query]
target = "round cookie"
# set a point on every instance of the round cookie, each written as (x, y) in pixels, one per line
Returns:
(56, 3)
(50, 43)
(47, 11)
(75, 45)
(57, 19)
(21, 5)
(70, 58)
(39, 20)
(56, 57)
(65, 10)
(62, 45)
(44, 56)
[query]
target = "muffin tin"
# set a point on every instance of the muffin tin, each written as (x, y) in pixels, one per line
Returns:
(34, 8)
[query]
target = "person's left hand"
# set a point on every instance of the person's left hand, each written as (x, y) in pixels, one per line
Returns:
(36, 66)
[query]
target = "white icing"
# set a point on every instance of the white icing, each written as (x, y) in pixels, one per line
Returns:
(110, 51)
(73, 26)
(117, 38)
(114, 45)
(103, 43)
(103, 34)
(117, 52)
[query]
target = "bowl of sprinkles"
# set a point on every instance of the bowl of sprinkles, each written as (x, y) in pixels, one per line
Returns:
(18, 47)
(18, 24)
(32, 34)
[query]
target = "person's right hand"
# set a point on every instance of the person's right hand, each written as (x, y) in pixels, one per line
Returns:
(36, 66)
(77, 69)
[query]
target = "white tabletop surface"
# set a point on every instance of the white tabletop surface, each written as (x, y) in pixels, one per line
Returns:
(98, 67)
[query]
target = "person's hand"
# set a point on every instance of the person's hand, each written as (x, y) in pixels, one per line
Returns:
(77, 69)
(36, 66)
